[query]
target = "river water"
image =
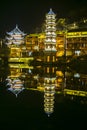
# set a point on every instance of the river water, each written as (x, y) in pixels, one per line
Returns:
(38, 98)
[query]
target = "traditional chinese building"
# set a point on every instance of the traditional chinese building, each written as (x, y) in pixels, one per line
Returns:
(60, 40)
(32, 42)
(15, 41)
(50, 37)
(76, 42)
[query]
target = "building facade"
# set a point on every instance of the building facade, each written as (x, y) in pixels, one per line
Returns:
(76, 42)
(32, 42)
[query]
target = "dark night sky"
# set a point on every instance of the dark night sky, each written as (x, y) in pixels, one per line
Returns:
(31, 14)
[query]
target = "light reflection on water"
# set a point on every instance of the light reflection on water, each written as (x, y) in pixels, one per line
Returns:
(45, 88)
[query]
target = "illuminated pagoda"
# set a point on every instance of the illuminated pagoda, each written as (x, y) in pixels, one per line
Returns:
(49, 90)
(15, 37)
(50, 37)
(15, 86)
(15, 41)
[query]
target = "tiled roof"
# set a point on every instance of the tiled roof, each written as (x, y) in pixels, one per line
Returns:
(16, 30)
(50, 12)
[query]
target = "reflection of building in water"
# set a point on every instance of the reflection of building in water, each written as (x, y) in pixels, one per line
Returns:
(23, 72)
(14, 82)
(15, 86)
(49, 90)
(32, 42)
(76, 83)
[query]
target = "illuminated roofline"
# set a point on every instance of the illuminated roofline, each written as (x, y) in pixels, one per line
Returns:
(51, 12)
(16, 30)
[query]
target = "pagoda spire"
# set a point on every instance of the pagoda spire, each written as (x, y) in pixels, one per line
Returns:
(51, 11)
(16, 26)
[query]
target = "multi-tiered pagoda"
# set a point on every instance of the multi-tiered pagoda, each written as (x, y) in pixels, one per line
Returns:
(15, 37)
(50, 39)
(15, 41)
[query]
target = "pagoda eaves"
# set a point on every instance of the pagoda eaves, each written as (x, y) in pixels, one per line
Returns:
(17, 31)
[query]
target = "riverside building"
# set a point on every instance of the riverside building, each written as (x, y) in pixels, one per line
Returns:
(15, 41)
(50, 38)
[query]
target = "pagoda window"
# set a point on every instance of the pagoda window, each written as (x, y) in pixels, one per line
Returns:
(48, 47)
(53, 58)
(48, 70)
(77, 52)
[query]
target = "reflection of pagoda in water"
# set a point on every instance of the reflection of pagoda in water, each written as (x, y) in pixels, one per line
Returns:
(50, 40)
(15, 82)
(15, 86)
(49, 91)
(20, 77)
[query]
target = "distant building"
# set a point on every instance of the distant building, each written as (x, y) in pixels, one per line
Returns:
(76, 42)
(41, 39)
(60, 42)
(31, 41)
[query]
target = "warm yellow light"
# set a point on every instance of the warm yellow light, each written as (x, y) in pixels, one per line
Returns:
(60, 53)
(59, 73)
(59, 80)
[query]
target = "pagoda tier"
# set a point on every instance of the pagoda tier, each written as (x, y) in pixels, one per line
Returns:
(15, 37)
(50, 31)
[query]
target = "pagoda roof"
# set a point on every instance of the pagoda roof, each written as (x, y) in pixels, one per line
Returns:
(16, 30)
(16, 91)
(51, 12)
